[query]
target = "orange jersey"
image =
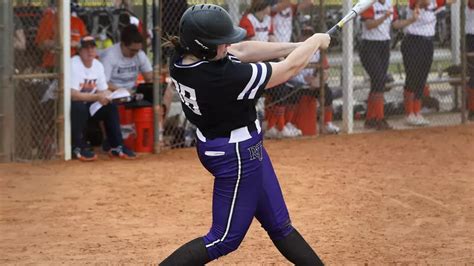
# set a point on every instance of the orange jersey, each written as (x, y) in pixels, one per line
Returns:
(47, 31)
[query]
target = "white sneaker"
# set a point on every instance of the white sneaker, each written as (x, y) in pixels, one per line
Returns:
(411, 120)
(286, 132)
(292, 127)
(421, 120)
(331, 128)
(273, 133)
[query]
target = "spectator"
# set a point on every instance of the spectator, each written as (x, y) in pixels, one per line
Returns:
(470, 50)
(125, 60)
(417, 52)
(46, 37)
(310, 76)
(375, 56)
(283, 14)
(257, 21)
(279, 113)
(88, 85)
(299, 112)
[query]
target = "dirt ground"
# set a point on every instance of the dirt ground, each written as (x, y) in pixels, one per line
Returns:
(389, 197)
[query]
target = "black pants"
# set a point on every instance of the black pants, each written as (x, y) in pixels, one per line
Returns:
(470, 60)
(375, 57)
(417, 53)
(80, 116)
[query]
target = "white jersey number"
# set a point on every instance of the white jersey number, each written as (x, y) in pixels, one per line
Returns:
(187, 96)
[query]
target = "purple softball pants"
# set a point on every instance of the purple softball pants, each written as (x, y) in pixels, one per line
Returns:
(245, 186)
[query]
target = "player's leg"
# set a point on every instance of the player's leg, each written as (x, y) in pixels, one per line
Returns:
(237, 174)
(79, 117)
(425, 51)
(272, 213)
(110, 115)
(410, 56)
(379, 88)
(372, 56)
(328, 111)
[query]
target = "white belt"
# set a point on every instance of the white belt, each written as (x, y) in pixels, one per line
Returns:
(236, 135)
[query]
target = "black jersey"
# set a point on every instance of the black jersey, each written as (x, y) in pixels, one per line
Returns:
(219, 96)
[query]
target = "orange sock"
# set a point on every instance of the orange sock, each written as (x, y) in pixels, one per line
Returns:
(408, 99)
(426, 91)
(327, 114)
(370, 107)
(470, 95)
(270, 117)
(280, 117)
(379, 108)
(290, 113)
(417, 106)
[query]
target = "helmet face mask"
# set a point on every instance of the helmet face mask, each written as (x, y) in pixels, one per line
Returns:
(204, 27)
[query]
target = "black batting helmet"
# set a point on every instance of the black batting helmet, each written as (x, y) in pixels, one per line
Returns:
(203, 27)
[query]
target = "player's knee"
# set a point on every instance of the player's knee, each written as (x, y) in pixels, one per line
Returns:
(280, 232)
(222, 248)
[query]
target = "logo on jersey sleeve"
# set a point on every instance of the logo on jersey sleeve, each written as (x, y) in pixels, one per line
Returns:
(88, 85)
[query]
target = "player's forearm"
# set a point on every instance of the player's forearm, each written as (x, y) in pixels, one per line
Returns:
(255, 51)
(374, 23)
(83, 97)
(301, 56)
(402, 23)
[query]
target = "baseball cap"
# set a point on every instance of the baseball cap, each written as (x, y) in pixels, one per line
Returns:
(87, 41)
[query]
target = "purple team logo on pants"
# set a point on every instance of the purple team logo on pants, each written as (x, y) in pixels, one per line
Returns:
(245, 186)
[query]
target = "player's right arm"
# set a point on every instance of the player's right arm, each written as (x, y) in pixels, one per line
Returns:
(298, 59)
(256, 51)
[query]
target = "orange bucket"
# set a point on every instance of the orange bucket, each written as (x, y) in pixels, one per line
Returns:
(144, 126)
(127, 126)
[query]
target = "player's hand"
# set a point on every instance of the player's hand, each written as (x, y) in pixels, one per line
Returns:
(103, 97)
(324, 40)
(388, 13)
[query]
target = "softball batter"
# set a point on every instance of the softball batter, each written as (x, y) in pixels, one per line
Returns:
(375, 56)
(417, 52)
(218, 87)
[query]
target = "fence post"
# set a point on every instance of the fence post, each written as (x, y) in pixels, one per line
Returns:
(7, 107)
(64, 126)
(463, 57)
(158, 132)
(347, 71)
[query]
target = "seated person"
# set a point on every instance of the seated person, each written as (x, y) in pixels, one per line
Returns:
(88, 85)
(125, 60)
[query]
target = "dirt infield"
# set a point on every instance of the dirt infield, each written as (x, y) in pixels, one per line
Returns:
(389, 197)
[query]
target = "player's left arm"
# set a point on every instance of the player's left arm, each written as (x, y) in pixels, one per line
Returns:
(256, 51)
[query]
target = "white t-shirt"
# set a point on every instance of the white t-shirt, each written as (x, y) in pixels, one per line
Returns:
(382, 31)
(123, 71)
(283, 24)
(426, 22)
(87, 80)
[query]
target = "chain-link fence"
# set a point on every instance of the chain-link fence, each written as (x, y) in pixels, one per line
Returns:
(35, 61)
(309, 104)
